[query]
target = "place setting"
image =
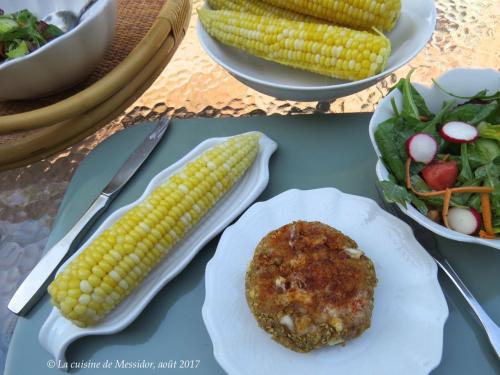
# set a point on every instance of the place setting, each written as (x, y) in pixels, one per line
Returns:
(312, 241)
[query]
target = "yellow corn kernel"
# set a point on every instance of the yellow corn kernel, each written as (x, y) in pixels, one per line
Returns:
(359, 14)
(105, 272)
(260, 8)
(320, 48)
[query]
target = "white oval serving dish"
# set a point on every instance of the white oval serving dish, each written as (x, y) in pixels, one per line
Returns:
(63, 61)
(412, 32)
(462, 82)
(406, 336)
(57, 332)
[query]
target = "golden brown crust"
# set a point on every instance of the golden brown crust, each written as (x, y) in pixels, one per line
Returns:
(308, 288)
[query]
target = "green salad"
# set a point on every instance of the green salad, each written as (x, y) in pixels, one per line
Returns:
(21, 33)
(446, 164)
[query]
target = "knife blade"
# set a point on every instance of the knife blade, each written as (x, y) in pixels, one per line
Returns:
(34, 286)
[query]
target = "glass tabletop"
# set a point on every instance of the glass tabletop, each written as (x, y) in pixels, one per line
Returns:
(192, 85)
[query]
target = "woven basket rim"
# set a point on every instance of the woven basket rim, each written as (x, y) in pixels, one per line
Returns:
(171, 21)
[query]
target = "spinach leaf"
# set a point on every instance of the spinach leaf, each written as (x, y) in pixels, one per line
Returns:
(410, 108)
(25, 18)
(476, 155)
(17, 50)
(487, 130)
(7, 25)
(471, 113)
(488, 149)
(413, 102)
(463, 199)
(394, 193)
(419, 204)
(495, 200)
(466, 170)
(489, 172)
(385, 138)
(400, 136)
(481, 95)
(475, 202)
(496, 225)
(494, 118)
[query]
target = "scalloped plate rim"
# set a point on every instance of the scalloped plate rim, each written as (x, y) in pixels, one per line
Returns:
(220, 354)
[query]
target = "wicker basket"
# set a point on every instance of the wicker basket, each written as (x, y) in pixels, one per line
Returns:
(148, 34)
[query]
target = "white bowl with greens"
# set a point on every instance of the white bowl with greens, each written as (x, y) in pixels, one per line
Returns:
(41, 61)
(463, 96)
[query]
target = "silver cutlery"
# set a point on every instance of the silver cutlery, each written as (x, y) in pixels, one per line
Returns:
(429, 243)
(34, 286)
(67, 19)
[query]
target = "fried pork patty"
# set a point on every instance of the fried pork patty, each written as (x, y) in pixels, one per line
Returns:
(309, 286)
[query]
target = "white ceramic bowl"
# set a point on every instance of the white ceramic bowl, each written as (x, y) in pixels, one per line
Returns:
(462, 82)
(411, 34)
(64, 61)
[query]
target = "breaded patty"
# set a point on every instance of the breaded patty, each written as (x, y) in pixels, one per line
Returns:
(309, 286)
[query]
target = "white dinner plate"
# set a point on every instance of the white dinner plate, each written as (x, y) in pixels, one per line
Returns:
(410, 35)
(406, 336)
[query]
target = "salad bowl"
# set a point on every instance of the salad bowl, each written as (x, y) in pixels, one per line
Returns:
(462, 83)
(64, 61)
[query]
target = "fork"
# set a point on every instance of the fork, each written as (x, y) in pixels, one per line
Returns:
(428, 242)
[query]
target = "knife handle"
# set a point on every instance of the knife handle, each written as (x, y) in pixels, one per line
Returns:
(34, 286)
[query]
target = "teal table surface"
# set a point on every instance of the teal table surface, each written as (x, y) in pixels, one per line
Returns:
(314, 151)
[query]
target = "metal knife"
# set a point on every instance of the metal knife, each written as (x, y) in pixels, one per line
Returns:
(34, 286)
(428, 242)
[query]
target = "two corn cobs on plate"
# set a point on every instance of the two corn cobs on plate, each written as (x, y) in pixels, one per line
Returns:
(337, 38)
(118, 259)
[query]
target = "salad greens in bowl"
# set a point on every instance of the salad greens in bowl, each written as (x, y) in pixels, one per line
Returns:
(36, 60)
(439, 153)
(22, 32)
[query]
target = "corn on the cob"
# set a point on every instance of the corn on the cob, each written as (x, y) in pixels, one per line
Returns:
(259, 8)
(360, 14)
(325, 49)
(114, 263)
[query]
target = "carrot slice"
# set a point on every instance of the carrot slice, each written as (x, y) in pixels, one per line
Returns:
(486, 236)
(486, 206)
(446, 207)
(472, 189)
(407, 170)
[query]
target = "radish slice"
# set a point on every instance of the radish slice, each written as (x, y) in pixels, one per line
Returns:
(459, 132)
(422, 148)
(464, 220)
